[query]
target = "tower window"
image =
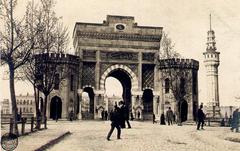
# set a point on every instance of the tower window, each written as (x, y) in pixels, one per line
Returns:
(71, 83)
(56, 82)
(167, 85)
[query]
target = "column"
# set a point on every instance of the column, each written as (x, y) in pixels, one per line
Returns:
(140, 71)
(97, 70)
(80, 102)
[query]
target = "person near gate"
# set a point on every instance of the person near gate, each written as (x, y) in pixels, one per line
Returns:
(115, 118)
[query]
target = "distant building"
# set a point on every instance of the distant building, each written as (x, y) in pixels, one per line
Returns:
(5, 106)
(26, 104)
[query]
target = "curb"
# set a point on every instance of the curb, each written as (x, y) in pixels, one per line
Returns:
(53, 142)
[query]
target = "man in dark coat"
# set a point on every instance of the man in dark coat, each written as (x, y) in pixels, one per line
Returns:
(169, 116)
(201, 117)
(235, 120)
(162, 119)
(126, 115)
(122, 114)
(115, 118)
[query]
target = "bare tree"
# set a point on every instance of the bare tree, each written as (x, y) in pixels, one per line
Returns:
(16, 45)
(175, 78)
(44, 69)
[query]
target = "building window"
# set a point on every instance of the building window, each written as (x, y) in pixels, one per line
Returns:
(24, 102)
(31, 102)
(27, 102)
(72, 83)
(31, 110)
(56, 81)
(24, 110)
(167, 85)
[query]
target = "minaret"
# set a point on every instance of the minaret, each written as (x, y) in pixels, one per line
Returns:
(211, 62)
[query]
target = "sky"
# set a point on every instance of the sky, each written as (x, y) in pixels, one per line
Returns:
(186, 22)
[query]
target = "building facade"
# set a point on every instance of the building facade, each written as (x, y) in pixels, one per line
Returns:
(122, 49)
(5, 106)
(26, 104)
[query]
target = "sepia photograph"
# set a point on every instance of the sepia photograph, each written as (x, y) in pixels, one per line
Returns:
(126, 75)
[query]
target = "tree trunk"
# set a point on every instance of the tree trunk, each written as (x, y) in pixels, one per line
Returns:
(38, 115)
(45, 105)
(13, 98)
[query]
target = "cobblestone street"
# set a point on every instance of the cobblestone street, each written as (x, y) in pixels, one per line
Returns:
(144, 136)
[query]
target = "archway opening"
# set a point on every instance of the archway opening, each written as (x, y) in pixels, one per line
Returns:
(56, 108)
(147, 103)
(87, 103)
(113, 93)
(183, 110)
(124, 85)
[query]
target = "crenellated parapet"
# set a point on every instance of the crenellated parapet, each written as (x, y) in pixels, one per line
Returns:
(178, 63)
(61, 58)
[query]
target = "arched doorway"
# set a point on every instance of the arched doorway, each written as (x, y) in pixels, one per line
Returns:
(123, 77)
(147, 103)
(56, 108)
(183, 110)
(87, 103)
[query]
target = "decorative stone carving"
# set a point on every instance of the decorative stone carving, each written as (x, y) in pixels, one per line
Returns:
(119, 56)
(148, 57)
(89, 54)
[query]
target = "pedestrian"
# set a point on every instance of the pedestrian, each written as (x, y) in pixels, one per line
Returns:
(138, 115)
(154, 118)
(162, 119)
(235, 120)
(174, 117)
(121, 111)
(115, 119)
(126, 114)
(131, 115)
(169, 116)
(71, 115)
(106, 115)
(102, 114)
(230, 121)
(201, 117)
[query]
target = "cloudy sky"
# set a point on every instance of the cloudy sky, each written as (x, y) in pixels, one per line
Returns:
(187, 23)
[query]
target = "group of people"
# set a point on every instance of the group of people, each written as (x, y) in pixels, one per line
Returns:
(104, 115)
(170, 117)
(118, 117)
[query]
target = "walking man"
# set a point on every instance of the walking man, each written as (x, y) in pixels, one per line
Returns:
(126, 114)
(235, 120)
(201, 117)
(115, 118)
(169, 116)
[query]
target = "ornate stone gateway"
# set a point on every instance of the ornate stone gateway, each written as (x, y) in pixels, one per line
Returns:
(121, 49)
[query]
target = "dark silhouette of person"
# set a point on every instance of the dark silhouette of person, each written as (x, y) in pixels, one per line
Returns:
(201, 117)
(154, 119)
(169, 116)
(126, 114)
(131, 115)
(235, 120)
(162, 119)
(115, 118)
(138, 114)
(71, 116)
(230, 120)
(174, 117)
(106, 115)
(102, 114)
(122, 114)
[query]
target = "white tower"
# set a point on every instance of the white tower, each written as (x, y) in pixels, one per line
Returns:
(211, 62)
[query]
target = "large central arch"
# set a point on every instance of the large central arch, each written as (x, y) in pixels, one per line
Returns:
(126, 77)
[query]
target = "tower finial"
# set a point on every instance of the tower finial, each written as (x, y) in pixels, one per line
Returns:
(210, 22)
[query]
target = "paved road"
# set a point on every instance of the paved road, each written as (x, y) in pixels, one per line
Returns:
(144, 136)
